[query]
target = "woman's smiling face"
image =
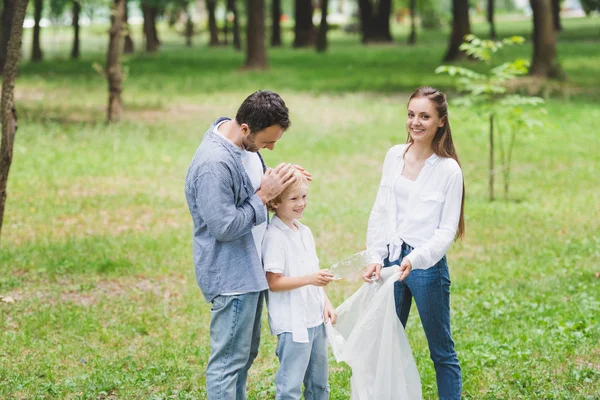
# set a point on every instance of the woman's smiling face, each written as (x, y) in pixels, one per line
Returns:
(422, 120)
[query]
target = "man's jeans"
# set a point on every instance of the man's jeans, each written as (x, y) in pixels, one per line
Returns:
(303, 362)
(234, 340)
(431, 290)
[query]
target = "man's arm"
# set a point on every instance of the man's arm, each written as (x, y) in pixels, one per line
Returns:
(216, 204)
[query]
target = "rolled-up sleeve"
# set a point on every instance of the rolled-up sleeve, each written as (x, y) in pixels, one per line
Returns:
(376, 238)
(216, 204)
(436, 247)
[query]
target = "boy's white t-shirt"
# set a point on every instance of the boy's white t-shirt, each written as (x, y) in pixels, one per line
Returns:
(292, 253)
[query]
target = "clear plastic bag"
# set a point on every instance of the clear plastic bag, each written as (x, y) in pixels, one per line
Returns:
(369, 337)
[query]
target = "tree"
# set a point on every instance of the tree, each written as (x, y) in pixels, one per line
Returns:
(275, 24)
(237, 41)
(76, 11)
(36, 48)
(545, 63)
(375, 20)
(211, 6)
(304, 31)
(114, 73)
(7, 13)
(322, 34)
(487, 94)
(461, 27)
(189, 28)
(128, 45)
(556, 15)
(490, 17)
(412, 38)
(256, 52)
(150, 12)
(7, 103)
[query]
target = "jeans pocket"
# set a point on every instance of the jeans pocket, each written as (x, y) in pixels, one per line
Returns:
(218, 303)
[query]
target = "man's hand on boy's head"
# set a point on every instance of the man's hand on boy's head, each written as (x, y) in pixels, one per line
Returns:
(307, 174)
(274, 181)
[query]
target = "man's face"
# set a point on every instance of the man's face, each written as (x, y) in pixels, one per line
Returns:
(264, 139)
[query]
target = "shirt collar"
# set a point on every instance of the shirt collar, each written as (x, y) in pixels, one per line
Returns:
(220, 139)
(283, 226)
(431, 160)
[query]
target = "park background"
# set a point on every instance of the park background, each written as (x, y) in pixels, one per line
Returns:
(98, 294)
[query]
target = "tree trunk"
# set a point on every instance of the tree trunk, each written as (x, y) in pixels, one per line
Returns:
(211, 5)
(226, 26)
(237, 41)
(7, 104)
(275, 24)
(256, 52)
(150, 32)
(492, 172)
(460, 27)
(304, 31)
(412, 38)
(113, 65)
(128, 46)
(7, 13)
(490, 17)
(189, 29)
(36, 48)
(375, 23)
(556, 15)
(76, 12)
(544, 63)
(322, 35)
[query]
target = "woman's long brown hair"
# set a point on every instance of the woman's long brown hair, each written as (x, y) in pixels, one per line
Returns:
(442, 144)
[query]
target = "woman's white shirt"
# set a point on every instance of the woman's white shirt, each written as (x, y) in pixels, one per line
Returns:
(430, 214)
(402, 188)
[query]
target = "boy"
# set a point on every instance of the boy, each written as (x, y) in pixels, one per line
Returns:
(298, 307)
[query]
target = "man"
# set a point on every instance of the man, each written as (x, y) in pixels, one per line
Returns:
(227, 187)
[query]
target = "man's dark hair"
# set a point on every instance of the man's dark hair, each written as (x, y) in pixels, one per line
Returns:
(263, 109)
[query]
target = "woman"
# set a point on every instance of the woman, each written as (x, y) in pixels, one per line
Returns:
(417, 214)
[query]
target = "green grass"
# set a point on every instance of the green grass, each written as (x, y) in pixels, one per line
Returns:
(96, 244)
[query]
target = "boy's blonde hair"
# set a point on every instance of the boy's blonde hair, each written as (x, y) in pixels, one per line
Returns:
(300, 182)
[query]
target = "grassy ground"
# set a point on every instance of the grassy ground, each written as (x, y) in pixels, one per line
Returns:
(96, 243)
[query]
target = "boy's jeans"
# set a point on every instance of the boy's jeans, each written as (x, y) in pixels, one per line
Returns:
(303, 362)
(234, 340)
(431, 290)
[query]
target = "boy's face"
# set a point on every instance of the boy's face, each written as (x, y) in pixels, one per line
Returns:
(293, 204)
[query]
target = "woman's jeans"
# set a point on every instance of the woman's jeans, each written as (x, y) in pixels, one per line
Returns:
(303, 362)
(234, 339)
(431, 290)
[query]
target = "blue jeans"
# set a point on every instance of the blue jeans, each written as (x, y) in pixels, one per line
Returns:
(431, 290)
(234, 339)
(303, 362)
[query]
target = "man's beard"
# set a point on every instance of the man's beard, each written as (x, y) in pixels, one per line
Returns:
(249, 143)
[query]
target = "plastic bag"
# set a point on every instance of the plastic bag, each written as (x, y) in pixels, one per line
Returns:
(369, 337)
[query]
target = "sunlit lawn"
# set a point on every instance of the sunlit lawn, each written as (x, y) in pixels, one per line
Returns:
(96, 248)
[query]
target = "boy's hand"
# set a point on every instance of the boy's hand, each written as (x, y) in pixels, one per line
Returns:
(320, 278)
(372, 269)
(329, 313)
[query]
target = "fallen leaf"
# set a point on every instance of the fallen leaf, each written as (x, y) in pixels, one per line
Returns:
(7, 299)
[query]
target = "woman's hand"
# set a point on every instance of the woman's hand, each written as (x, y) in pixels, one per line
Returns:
(320, 278)
(373, 268)
(405, 268)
